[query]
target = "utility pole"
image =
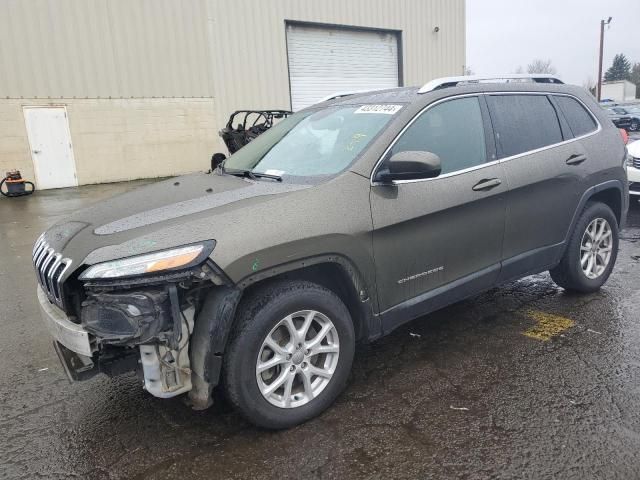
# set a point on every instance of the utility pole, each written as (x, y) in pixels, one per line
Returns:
(602, 24)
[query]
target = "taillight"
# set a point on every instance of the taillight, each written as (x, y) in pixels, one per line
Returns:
(625, 135)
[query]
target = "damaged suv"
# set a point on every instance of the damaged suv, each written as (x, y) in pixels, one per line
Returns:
(337, 225)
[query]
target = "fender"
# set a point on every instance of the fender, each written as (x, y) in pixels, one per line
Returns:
(365, 291)
(210, 333)
(586, 196)
(215, 320)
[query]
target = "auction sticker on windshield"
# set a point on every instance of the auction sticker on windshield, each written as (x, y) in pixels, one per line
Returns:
(386, 109)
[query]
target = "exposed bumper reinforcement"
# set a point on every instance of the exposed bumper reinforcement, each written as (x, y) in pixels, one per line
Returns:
(69, 334)
(77, 367)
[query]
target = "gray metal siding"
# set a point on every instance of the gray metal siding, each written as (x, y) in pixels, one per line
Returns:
(182, 48)
(257, 36)
(104, 48)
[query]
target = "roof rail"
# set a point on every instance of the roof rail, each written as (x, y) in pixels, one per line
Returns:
(333, 96)
(506, 78)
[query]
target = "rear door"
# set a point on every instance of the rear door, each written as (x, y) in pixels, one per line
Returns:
(439, 239)
(543, 167)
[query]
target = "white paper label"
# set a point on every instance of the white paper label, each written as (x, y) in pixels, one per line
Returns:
(386, 109)
(277, 173)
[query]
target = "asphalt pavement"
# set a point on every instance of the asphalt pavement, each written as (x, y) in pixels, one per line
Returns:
(524, 381)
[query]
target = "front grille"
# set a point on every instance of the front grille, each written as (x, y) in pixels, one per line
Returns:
(50, 266)
(635, 162)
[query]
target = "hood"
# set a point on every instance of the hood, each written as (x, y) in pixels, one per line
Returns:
(150, 218)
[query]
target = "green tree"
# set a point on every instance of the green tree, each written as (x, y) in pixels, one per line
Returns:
(619, 70)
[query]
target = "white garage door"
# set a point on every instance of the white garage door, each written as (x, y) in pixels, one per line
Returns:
(323, 61)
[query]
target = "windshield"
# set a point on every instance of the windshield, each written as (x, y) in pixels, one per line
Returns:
(313, 143)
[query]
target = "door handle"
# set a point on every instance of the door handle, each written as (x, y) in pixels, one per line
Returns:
(486, 184)
(36, 151)
(576, 159)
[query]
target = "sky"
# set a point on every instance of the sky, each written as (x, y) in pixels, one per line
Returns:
(505, 34)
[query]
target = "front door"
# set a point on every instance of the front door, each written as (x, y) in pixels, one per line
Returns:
(51, 150)
(440, 239)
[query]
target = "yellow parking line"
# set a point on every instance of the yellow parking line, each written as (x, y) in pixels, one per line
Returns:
(547, 325)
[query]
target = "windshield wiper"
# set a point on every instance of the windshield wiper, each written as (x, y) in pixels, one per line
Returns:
(252, 175)
(277, 178)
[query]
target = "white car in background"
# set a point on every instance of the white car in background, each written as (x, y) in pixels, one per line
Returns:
(633, 168)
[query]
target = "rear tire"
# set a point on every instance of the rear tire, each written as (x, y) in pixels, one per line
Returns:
(277, 326)
(591, 252)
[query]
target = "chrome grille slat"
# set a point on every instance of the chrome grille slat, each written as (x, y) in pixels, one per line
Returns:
(635, 162)
(39, 254)
(37, 245)
(48, 258)
(50, 268)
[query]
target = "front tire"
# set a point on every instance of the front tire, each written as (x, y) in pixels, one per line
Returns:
(290, 354)
(591, 252)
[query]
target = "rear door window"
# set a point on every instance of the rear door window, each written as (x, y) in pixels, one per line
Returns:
(453, 130)
(523, 123)
(579, 119)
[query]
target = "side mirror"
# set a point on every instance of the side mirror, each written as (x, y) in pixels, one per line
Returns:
(216, 160)
(410, 165)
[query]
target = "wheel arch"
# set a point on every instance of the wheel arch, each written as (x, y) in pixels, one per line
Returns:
(217, 317)
(336, 273)
(610, 193)
(612, 197)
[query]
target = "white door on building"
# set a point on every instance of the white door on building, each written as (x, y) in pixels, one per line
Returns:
(324, 61)
(51, 149)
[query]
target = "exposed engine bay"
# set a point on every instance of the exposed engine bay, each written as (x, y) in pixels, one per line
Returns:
(148, 325)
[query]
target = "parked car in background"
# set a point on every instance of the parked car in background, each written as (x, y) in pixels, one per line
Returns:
(339, 224)
(620, 121)
(630, 111)
(633, 168)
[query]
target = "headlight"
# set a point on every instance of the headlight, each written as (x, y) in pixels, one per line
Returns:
(166, 260)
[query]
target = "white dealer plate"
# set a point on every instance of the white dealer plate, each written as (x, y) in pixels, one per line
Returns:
(69, 334)
(384, 108)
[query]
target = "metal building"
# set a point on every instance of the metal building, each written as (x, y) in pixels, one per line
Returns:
(98, 91)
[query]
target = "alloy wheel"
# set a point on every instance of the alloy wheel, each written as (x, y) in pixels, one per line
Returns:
(595, 248)
(297, 359)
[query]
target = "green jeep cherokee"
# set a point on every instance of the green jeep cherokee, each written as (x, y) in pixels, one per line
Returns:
(339, 224)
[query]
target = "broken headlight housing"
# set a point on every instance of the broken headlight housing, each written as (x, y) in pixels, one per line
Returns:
(149, 263)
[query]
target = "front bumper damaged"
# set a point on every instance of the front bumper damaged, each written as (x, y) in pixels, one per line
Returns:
(171, 328)
(110, 342)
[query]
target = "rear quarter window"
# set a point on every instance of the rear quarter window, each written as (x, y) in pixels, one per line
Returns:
(523, 123)
(580, 121)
